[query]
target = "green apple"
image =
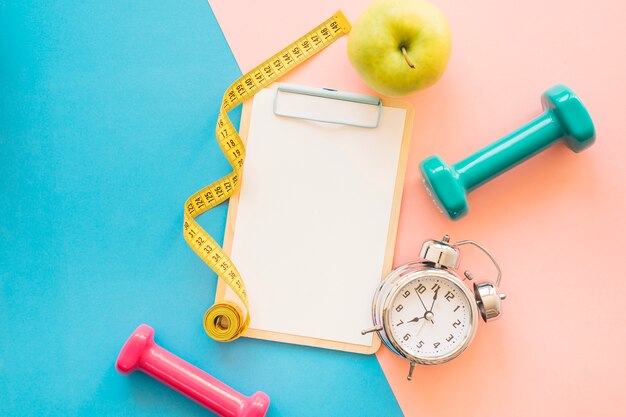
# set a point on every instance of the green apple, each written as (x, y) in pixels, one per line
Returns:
(400, 46)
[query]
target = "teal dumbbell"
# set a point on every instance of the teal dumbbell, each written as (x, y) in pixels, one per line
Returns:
(564, 118)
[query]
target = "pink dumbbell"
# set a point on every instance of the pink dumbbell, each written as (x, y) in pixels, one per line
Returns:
(140, 352)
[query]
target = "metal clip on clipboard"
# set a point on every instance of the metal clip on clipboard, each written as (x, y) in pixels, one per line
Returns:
(288, 104)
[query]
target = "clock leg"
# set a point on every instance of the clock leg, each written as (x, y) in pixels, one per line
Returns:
(411, 367)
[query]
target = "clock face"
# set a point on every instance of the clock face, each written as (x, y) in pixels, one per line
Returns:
(431, 318)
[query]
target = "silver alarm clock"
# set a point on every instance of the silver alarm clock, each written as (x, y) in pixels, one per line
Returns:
(424, 312)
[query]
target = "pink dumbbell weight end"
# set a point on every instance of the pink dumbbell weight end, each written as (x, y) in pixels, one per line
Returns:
(140, 352)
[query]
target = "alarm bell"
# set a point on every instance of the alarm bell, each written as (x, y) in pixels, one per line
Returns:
(488, 300)
(441, 253)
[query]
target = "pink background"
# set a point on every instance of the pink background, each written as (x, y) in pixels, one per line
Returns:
(555, 223)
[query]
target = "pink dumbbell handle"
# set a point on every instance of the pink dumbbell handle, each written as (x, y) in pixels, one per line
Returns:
(141, 352)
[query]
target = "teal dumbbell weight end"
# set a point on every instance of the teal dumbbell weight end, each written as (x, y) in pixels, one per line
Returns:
(565, 118)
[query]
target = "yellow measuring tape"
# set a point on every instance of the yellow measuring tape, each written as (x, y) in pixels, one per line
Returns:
(226, 321)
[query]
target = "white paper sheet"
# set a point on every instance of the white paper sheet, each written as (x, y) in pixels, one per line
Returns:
(313, 218)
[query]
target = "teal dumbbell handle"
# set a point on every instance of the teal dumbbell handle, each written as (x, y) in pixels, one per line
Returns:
(509, 151)
(565, 118)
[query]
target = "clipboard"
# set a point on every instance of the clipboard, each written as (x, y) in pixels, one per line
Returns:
(312, 226)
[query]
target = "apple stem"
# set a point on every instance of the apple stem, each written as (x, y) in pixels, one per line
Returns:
(406, 56)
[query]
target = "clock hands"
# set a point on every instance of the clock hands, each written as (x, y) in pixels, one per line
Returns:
(421, 301)
(434, 298)
(431, 307)
(427, 316)
(428, 313)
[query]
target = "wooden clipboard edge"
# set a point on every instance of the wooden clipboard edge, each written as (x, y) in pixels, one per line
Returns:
(229, 232)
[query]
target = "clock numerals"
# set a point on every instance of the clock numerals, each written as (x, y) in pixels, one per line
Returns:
(448, 318)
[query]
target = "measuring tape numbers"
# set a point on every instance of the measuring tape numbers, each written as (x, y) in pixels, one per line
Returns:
(225, 321)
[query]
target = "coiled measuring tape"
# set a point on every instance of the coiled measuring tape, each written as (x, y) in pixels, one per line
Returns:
(225, 321)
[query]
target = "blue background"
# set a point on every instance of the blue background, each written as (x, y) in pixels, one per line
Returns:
(107, 112)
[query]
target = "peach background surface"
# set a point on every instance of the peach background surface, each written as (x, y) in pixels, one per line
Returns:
(555, 224)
